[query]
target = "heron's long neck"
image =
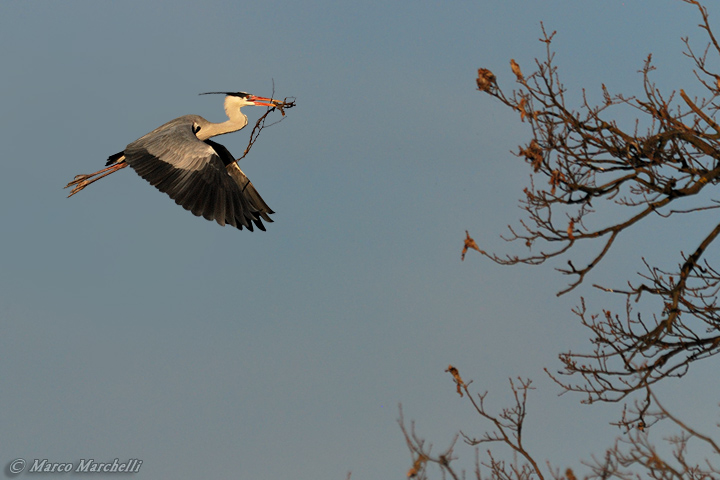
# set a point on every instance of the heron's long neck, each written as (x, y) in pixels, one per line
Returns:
(237, 121)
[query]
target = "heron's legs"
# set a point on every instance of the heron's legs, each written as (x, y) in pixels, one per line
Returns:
(82, 181)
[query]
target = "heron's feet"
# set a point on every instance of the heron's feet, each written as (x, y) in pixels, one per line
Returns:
(82, 181)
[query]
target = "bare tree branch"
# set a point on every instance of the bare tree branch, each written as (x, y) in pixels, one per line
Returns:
(592, 180)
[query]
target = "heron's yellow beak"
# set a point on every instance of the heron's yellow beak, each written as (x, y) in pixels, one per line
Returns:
(264, 101)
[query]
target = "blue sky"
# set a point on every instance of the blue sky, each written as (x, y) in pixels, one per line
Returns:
(131, 329)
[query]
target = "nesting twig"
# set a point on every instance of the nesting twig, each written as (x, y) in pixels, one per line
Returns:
(287, 102)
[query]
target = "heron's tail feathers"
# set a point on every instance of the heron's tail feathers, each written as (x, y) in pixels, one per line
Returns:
(114, 158)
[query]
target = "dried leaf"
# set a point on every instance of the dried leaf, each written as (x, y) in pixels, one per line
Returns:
(417, 466)
(606, 95)
(570, 229)
(521, 108)
(556, 178)
(485, 80)
(458, 380)
(534, 154)
(469, 243)
(516, 70)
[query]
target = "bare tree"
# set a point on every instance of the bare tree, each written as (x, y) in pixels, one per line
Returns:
(586, 169)
(591, 180)
(633, 456)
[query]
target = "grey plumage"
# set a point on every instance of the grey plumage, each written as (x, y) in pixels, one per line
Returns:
(196, 175)
(202, 176)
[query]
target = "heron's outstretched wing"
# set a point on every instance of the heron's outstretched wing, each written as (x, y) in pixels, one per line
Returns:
(246, 186)
(193, 174)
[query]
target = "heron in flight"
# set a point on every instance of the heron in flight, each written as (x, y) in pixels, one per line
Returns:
(202, 176)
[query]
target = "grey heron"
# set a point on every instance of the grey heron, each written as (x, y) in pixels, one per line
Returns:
(202, 176)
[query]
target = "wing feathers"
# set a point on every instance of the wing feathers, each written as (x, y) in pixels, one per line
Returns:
(249, 191)
(202, 177)
(219, 212)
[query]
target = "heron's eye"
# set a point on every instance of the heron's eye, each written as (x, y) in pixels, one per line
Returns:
(196, 128)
